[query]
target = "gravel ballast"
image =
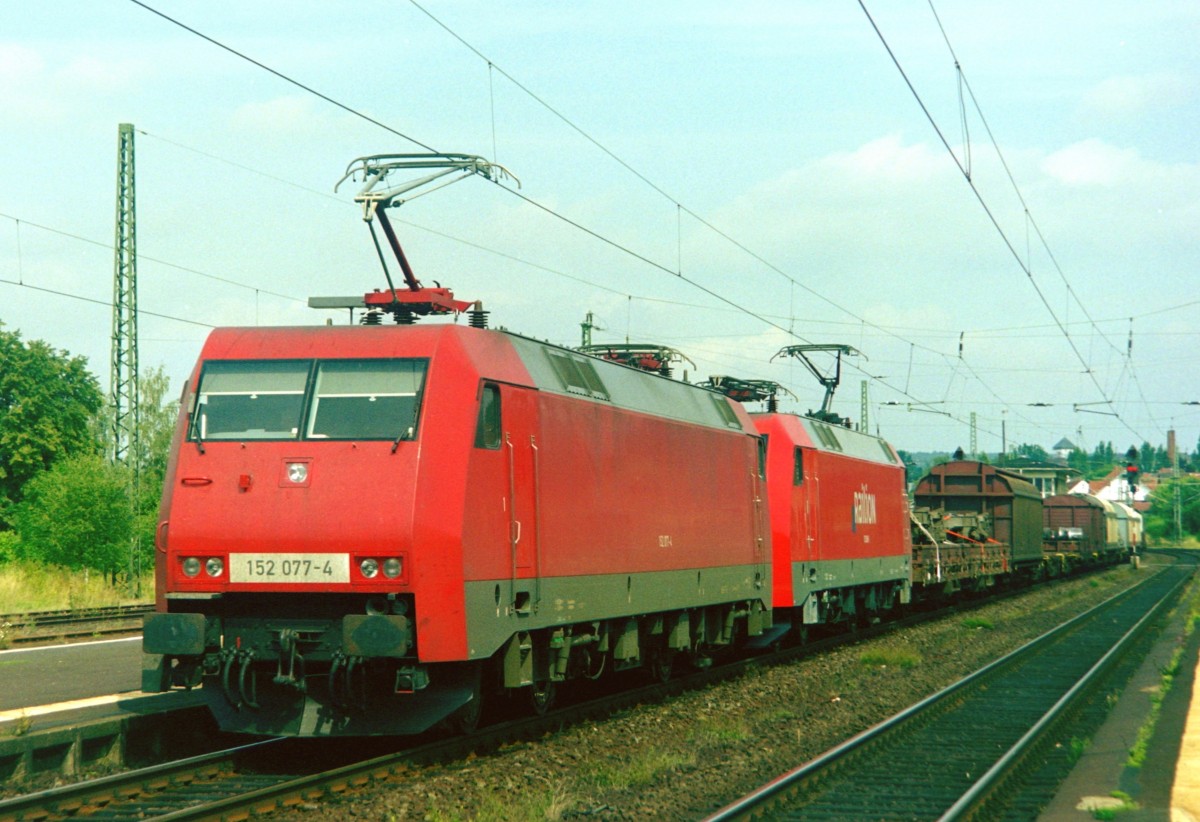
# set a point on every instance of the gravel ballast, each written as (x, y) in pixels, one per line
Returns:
(687, 757)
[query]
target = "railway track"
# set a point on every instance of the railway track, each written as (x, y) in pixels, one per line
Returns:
(257, 779)
(265, 776)
(45, 626)
(152, 792)
(964, 751)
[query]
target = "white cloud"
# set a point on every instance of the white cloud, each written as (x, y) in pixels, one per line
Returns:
(282, 117)
(40, 87)
(280, 113)
(1093, 162)
(1130, 95)
(90, 74)
(23, 93)
(887, 159)
(18, 62)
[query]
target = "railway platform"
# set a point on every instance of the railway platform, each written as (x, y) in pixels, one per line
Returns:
(1166, 788)
(77, 708)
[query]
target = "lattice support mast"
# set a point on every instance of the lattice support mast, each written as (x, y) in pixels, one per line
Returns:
(123, 383)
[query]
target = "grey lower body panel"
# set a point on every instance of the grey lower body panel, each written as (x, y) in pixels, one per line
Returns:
(496, 609)
(811, 579)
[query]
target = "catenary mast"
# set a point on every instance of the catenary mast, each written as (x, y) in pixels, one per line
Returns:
(123, 385)
(124, 445)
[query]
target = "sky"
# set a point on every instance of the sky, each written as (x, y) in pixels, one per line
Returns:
(997, 204)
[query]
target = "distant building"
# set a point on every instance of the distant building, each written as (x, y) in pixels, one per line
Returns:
(1063, 448)
(1114, 487)
(1049, 477)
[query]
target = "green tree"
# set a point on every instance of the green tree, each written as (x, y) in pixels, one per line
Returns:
(1160, 519)
(156, 425)
(48, 400)
(1102, 456)
(77, 514)
(912, 471)
(1032, 451)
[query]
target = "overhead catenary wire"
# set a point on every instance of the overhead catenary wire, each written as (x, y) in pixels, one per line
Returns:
(625, 249)
(679, 207)
(104, 303)
(148, 258)
(992, 217)
(1029, 219)
(579, 226)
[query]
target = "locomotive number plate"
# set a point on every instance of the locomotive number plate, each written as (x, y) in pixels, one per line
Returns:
(301, 568)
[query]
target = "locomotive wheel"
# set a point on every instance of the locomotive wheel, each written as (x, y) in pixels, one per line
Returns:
(466, 720)
(661, 663)
(541, 696)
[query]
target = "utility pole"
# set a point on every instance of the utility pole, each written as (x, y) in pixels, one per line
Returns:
(1173, 453)
(974, 436)
(124, 445)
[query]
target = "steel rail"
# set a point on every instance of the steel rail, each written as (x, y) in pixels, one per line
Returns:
(148, 783)
(41, 626)
(778, 791)
(979, 792)
(70, 615)
(67, 800)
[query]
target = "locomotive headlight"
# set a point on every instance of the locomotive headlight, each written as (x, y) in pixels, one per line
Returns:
(369, 567)
(191, 566)
(214, 566)
(391, 567)
(297, 472)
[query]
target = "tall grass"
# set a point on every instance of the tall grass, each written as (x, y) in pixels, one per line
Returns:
(895, 656)
(28, 586)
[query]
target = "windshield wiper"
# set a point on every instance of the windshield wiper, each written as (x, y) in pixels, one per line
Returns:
(407, 435)
(197, 425)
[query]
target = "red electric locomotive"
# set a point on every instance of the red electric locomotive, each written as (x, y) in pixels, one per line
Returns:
(839, 521)
(365, 529)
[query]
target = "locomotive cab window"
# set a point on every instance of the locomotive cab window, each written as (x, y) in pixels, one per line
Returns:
(249, 400)
(366, 399)
(798, 469)
(487, 430)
